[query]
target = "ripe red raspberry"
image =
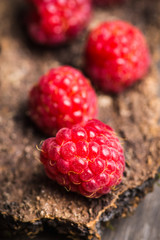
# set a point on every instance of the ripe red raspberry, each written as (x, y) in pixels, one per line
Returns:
(116, 56)
(88, 160)
(54, 22)
(63, 97)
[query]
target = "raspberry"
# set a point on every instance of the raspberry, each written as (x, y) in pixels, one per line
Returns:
(63, 97)
(88, 160)
(54, 22)
(116, 56)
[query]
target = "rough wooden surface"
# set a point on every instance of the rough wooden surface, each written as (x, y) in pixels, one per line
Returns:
(142, 225)
(29, 201)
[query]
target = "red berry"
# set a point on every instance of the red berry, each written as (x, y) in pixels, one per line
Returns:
(116, 56)
(52, 102)
(82, 165)
(54, 22)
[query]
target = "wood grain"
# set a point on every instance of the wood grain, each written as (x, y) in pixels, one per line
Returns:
(143, 225)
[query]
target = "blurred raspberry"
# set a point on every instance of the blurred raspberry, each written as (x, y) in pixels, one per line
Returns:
(54, 22)
(88, 160)
(63, 97)
(117, 55)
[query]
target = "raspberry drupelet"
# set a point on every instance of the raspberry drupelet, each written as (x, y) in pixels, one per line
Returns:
(88, 160)
(63, 97)
(116, 55)
(55, 22)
